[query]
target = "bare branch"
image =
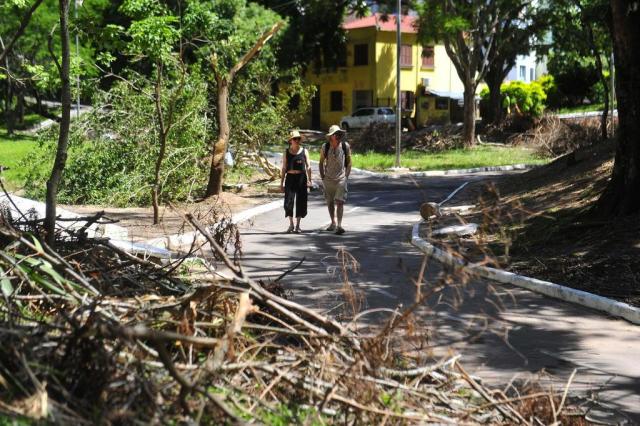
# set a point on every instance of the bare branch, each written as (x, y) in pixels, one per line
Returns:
(255, 49)
(23, 26)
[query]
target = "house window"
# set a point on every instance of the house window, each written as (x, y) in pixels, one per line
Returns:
(336, 100)
(442, 103)
(531, 74)
(428, 57)
(407, 99)
(362, 98)
(406, 56)
(361, 54)
(523, 73)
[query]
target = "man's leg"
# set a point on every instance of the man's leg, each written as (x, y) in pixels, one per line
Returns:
(340, 210)
(329, 196)
(341, 196)
(332, 211)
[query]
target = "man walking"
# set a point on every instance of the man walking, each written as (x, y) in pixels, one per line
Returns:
(335, 167)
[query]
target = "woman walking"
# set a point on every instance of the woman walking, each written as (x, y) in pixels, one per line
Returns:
(296, 178)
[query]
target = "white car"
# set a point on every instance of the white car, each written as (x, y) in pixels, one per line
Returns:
(365, 116)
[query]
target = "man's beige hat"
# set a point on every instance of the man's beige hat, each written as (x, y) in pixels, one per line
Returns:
(334, 129)
(294, 134)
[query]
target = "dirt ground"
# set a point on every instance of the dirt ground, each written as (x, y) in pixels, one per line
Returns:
(139, 220)
(539, 224)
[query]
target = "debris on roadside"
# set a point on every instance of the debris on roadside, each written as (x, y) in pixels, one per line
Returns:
(435, 138)
(91, 333)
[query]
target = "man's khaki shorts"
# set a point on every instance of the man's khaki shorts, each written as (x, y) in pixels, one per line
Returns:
(335, 190)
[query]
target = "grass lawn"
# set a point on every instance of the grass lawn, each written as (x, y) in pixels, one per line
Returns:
(479, 156)
(12, 151)
(581, 108)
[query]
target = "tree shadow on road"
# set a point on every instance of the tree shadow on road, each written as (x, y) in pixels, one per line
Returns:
(499, 330)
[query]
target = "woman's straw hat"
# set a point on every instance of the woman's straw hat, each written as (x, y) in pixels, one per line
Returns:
(294, 134)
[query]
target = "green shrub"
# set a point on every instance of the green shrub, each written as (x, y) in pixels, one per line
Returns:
(550, 89)
(112, 150)
(523, 98)
(574, 77)
(528, 99)
(596, 94)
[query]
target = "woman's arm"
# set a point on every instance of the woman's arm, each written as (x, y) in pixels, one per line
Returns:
(284, 170)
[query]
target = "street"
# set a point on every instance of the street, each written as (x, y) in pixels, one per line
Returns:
(500, 331)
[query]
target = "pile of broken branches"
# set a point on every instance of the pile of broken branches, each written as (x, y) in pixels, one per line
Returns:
(435, 138)
(93, 334)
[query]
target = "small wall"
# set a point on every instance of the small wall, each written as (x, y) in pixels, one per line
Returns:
(427, 114)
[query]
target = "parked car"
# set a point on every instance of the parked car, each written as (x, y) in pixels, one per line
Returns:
(364, 116)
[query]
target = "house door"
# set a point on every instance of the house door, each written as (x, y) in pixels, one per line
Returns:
(315, 110)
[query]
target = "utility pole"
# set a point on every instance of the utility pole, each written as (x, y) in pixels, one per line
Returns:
(398, 93)
(77, 3)
(613, 94)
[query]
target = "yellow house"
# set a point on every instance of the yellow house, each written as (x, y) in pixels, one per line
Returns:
(431, 89)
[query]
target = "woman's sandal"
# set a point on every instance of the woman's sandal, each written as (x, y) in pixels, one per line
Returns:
(290, 230)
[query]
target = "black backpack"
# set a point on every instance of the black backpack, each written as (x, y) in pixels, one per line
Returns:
(347, 157)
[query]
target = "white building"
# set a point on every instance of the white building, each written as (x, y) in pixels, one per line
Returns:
(526, 69)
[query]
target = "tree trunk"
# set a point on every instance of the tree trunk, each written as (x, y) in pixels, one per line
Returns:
(599, 70)
(494, 109)
(469, 125)
(20, 107)
(214, 187)
(9, 116)
(63, 136)
(216, 174)
(8, 101)
(162, 139)
(605, 113)
(621, 196)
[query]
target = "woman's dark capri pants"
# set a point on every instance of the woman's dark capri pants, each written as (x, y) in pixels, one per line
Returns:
(295, 191)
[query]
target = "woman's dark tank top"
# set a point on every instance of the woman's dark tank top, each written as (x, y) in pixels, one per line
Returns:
(296, 162)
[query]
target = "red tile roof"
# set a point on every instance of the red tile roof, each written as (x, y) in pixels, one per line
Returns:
(407, 24)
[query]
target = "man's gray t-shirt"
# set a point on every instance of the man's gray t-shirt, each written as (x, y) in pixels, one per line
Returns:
(334, 162)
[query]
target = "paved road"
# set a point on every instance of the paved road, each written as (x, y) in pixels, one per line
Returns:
(46, 123)
(541, 333)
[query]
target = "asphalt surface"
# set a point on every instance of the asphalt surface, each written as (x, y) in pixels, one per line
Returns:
(501, 331)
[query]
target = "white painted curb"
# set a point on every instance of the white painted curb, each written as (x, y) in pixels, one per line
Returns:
(454, 172)
(583, 114)
(178, 241)
(96, 230)
(567, 294)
